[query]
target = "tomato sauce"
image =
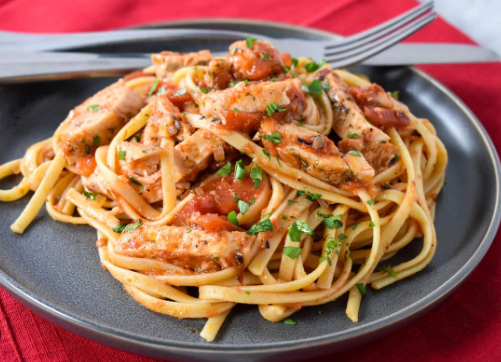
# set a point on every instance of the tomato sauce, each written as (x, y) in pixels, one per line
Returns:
(217, 198)
(86, 165)
(172, 91)
(243, 121)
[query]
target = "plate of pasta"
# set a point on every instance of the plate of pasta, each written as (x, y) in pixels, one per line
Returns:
(263, 203)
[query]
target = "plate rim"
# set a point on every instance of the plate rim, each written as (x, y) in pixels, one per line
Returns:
(96, 332)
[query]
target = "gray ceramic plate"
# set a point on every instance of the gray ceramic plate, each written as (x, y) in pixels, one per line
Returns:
(54, 268)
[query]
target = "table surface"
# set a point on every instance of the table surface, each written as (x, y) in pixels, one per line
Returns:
(465, 327)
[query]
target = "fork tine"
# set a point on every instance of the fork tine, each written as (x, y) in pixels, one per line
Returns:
(381, 30)
(346, 54)
(382, 44)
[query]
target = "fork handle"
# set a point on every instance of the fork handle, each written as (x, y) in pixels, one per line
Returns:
(21, 42)
(98, 67)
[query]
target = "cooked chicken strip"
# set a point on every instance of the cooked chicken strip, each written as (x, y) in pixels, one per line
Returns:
(94, 123)
(243, 106)
(352, 126)
(192, 155)
(165, 121)
(379, 107)
(196, 250)
(313, 153)
(95, 182)
(166, 63)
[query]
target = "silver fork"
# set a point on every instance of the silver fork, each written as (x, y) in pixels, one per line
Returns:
(17, 65)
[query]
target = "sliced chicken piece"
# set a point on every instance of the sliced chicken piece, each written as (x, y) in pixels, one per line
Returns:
(379, 107)
(196, 250)
(165, 121)
(141, 163)
(259, 61)
(192, 155)
(352, 126)
(94, 123)
(95, 182)
(138, 158)
(244, 106)
(166, 63)
(313, 153)
(220, 73)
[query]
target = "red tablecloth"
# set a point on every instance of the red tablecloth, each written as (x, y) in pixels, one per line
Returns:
(466, 327)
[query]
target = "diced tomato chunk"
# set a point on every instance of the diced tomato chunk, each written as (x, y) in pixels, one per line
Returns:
(86, 165)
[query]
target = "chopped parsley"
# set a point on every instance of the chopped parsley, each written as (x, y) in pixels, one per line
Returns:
(354, 226)
(333, 222)
(87, 149)
(243, 206)
(121, 155)
(315, 87)
(234, 50)
(278, 161)
(90, 195)
(291, 202)
(292, 252)
(97, 141)
(265, 56)
(287, 70)
(395, 94)
(256, 174)
(247, 292)
(204, 91)
(153, 87)
(312, 197)
(232, 217)
(309, 195)
(136, 182)
(250, 41)
(161, 90)
(390, 271)
(294, 62)
(134, 226)
(237, 110)
(354, 153)
(297, 228)
(361, 289)
(274, 137)
(290, 322)
(240, 170)
(225, 170)
(371, 224)
(326, 86)
(370, 202)
(313, 66)
(273, 107)
(93, 107)
(267, 154)
(120, 227)
(260, 227)
(352, 135)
